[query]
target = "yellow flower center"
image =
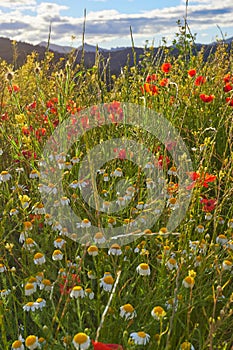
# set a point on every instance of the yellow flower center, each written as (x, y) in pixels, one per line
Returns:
(80, 338)
(57, 252)
(92, 249)
(172, 261)
(115, 246)
(99, 235)
(144, 266)
(46, 282)
(189, 280)
(29, 241)
(29, 286)
(172, 200)
(108, 280)
(227, 262)
(16, 344)
(27, 225)
(185, 346)
(222, 236)
(142, 334)
(159, 311)
(111, 220)
(128, 308)
(163, 230)
(38, 256)
(77, 288)
(30, 303)
(147, 231)
(40, 206)
(30, 340)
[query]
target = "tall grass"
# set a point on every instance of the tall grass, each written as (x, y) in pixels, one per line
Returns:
(190, 276)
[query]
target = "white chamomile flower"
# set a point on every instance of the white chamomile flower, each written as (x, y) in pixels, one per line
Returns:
(143, 269)
(140, 338)
(127, 312)
(81, 341)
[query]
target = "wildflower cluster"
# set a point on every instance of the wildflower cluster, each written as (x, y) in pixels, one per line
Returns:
(66, 280)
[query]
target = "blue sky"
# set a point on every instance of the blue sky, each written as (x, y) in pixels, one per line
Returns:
(108, 21)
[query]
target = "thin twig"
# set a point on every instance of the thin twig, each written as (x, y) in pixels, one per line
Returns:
(107, 306)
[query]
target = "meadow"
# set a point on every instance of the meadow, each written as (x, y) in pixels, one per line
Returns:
(165, 281)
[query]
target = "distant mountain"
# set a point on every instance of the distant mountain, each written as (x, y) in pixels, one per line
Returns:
(22, 51)
(56, 48)
(226, 41)
(68, 49)
(116, 58)
(118, 48)
(91, 48)
(229, 40)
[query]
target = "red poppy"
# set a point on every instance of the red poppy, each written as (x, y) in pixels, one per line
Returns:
(151, 77)
(39, 133)
(115, 112)
(162, 161)
(200, 80)
(29, 154)
(229, 101)
(68, 282)
(55, 123)
(121, 153)
(228, 87)
(207, 98)
(25, 130)
(209, 204)
(149, 88)
(71, 107)
(170, 145)
(51, 104)
(85, 122)
(164, 82)
(192, 72)
(102, 346)
(208, 178)
(5, 116)
(201, 179)
(13, 88)
(172, 100)
(227, 78)
(31, 106)
(166, 67)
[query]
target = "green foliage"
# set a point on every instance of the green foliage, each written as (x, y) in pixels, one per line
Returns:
(37, 97)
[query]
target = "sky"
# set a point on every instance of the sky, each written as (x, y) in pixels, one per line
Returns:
(108, 22)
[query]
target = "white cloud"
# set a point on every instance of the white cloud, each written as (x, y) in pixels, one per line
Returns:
(107, 25)
(12, 4)
(47, 8)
